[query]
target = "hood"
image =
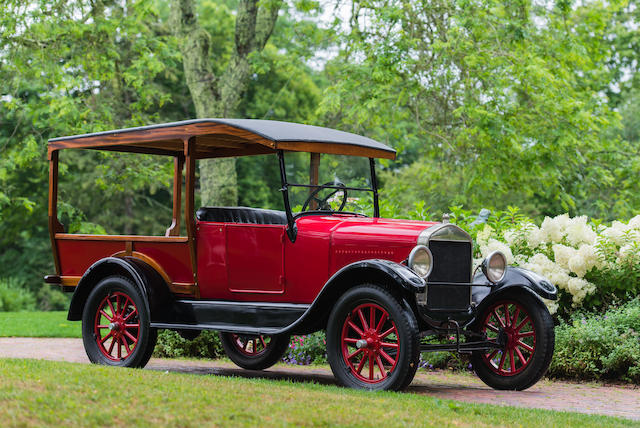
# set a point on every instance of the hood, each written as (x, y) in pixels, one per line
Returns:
(357, 238)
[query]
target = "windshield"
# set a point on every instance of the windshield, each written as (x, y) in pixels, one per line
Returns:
(324, 182)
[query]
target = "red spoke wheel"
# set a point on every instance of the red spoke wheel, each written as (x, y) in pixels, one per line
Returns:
(372, 339)
(512, 321)
(523, 327)
(115, 324)
(370, 343)
(254, 352)
(251, 346)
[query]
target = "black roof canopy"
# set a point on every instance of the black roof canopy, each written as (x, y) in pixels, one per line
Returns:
(228, 137)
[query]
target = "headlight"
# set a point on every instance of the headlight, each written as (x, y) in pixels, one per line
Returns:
(421, 261)
(494, 266)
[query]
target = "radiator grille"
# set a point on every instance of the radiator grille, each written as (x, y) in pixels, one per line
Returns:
(451, 264)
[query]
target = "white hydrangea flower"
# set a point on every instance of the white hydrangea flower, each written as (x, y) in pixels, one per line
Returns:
(634, 223)
(483, 236)
(577, 265)
(562, 254)
(628, 251)
(519, 260)
(535, 236)
(590, 257)
(511, 237)
(540, 264)
(615, 233)
(552, 305)
(579, 232)
(495, 245)
(554, 229)
(579, 289)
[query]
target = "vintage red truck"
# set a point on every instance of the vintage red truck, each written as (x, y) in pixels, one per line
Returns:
(378, 287)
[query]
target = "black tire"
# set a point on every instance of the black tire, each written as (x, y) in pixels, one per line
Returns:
(254, 352)
(389, 351)
(125, 340)
(516, 366)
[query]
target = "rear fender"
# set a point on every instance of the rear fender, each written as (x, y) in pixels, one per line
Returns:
(154, 290)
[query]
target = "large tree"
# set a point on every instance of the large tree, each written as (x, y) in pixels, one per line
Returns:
(219, 94)
(484, 98)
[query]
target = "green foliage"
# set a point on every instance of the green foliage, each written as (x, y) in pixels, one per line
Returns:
(13, 297)
(490, 99)
(599, 346)
(307, 349)
(172, 345)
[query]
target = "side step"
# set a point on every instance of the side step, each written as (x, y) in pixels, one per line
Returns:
(238, 317)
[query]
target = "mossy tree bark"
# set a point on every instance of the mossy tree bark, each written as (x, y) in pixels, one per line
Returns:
(219, 96)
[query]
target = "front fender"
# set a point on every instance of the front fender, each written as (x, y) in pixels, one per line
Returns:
(514, 277)
(377, 271)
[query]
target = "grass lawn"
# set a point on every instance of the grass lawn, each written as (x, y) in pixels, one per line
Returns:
(43, 393)
(38, 324)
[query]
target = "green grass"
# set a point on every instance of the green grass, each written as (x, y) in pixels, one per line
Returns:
(42, 393)
(38, 324)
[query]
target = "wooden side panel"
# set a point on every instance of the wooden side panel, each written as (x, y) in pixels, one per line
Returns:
(76, 256)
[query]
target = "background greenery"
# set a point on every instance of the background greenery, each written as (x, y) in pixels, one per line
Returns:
(490, 104)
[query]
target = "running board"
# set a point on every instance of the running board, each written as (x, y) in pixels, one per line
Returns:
(239, 317)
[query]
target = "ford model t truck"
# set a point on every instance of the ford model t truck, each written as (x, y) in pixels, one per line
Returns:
(325, 261)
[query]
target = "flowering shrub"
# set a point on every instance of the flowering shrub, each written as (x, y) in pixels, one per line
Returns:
(307, 349)
(591, 264)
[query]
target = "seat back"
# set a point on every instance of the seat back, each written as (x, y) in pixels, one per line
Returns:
(241, 215)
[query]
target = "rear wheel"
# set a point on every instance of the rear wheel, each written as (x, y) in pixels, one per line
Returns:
(372, 340)
(115, 325)
(254, 352)
(523, 325)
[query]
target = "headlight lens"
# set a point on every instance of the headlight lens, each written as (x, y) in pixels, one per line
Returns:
(494, 266)
(421, 261)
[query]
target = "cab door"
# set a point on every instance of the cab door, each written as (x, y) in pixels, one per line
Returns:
(255, 262)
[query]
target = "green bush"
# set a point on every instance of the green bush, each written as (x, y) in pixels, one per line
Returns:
(595, 346)
(172, 345)
(14, 297)
(307, 349)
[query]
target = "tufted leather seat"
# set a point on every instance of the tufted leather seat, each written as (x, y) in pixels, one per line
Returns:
(241, 215)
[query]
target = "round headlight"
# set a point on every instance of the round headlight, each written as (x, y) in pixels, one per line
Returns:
(494, 266)
(421, 261)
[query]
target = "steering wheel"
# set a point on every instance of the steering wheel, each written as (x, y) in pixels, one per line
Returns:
(323, 204)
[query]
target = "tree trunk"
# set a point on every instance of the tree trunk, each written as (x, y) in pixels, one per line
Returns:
(215, 96)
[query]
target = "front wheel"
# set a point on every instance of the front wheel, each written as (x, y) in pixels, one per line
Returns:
(372, 340)
(254, 352)
(116, 327)
(523, 326)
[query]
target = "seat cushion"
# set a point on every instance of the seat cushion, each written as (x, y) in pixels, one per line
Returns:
(241, 215)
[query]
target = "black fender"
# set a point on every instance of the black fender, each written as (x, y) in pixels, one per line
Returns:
(153, 288)
(397, 277)
(514, 277)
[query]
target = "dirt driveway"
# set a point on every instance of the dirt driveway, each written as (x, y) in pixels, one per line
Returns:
(612, 400)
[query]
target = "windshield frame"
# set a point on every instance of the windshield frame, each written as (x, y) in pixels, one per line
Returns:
(291, 229)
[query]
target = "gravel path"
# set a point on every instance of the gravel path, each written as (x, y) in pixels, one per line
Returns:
(612, 400)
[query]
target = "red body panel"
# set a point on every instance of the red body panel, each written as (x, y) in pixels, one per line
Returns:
(248, 262)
